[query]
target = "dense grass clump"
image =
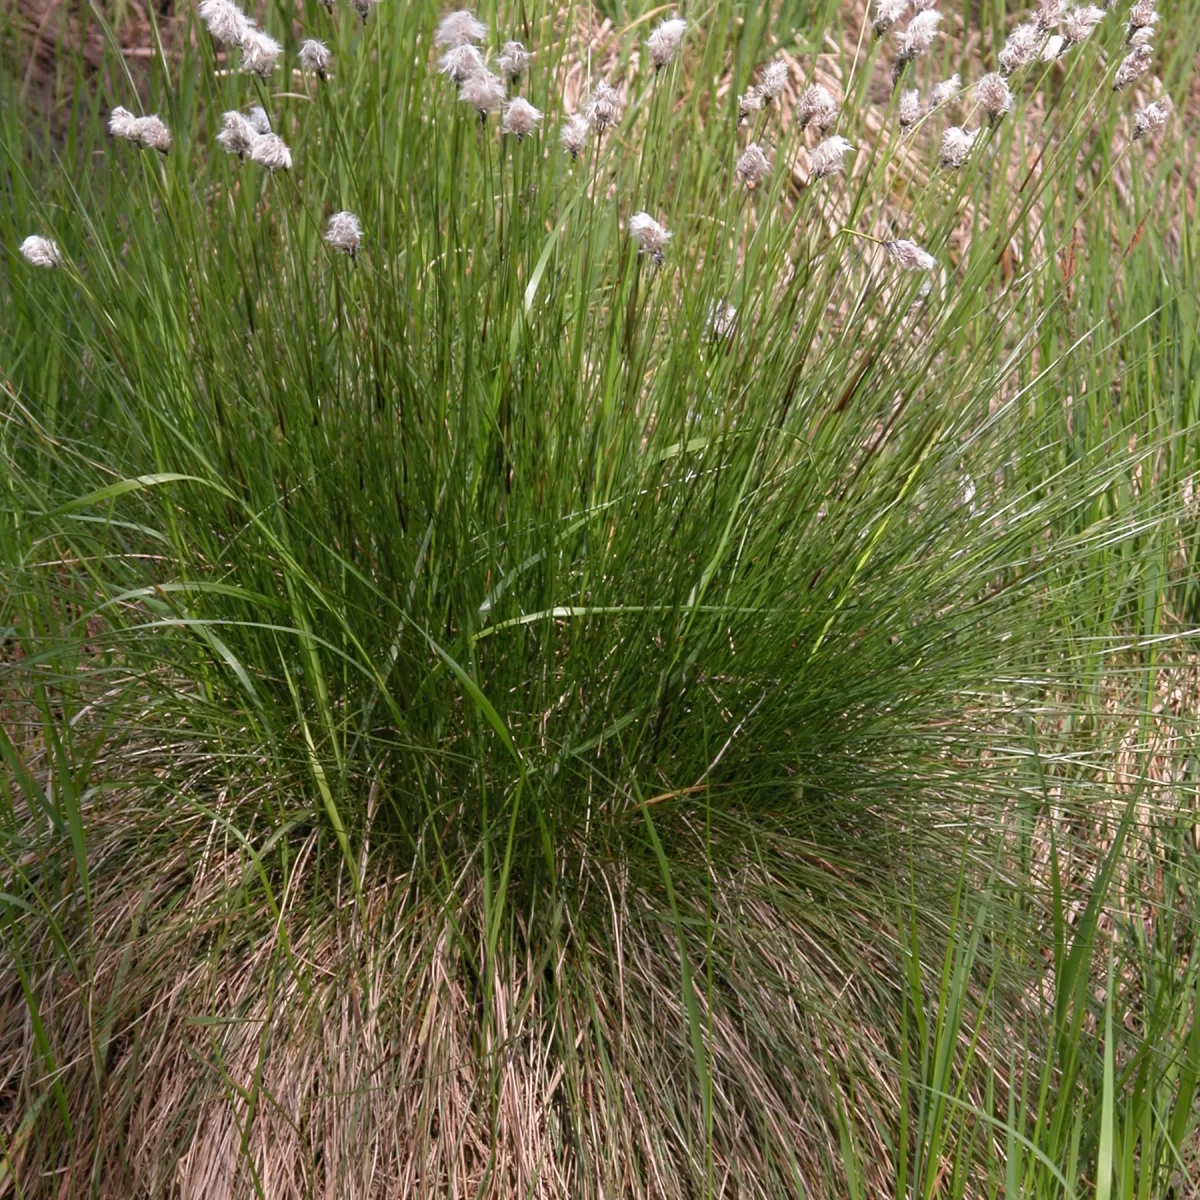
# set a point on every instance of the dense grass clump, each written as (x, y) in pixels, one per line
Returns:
(613, 628)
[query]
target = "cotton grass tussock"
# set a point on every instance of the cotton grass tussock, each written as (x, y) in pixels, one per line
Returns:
(344, 233)
(270, 151)
(992, 95)
(574, 134)
(909, 255)
(315, 57)
(1152, 119)
(956, 147)
(40, 251)
(1133, 67)
(753, 166)
(665, 40)
(225, 21)
(260, 53)
(484, 92)
(826, 158)
(459, 63)
(459, 28)
(816, 107)
(520, 118)
(650, 236)
(512, 62)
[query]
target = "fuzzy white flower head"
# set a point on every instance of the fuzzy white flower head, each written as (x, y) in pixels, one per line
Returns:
(484, 92)
(603, 107)
(1024, 45)
(750, 103)
(259, 121)
(722, 321)
(270, 151)
(574, 134)
(919, 35)
(315, 57)
(754, 165)
(817, 107)
(520, 118)
(1078, 23)
(665, 41)
(993, 96)
(458, 28)
(459, 63)
(1134, 66)
(826, 157)
(1142, 16)
(260, 52)
(909, 255)
(41, 252)
(237, 137)
(1141, 37)
(1152, 119)
(225, 20)
(910, 108)
(946, 91)
(151, 134)
(344, 233)
(1049, 14)
(887, 13)
(650, 236)
(773, 79)
(956, 146)
(513, 61)
(122, 124)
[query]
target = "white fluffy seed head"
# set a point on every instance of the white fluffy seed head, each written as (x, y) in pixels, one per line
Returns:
(956, 146)
(826, 157)
(259, 121)
(458, 28)
(513, 61)
(344, 233)
(993, 96)
(1024, 46)
(773, 79)
(909, 255)
(946, 91)
(910, 108)
(754, 165)
(887, 13)
(603, 107)
(151, 134)
(1049, 14)
(919, 35)
(574, 134)
(1134, 66)
(225, 21)
(1152, 119)
(650, 236)
(1143, 15)
(484, 92)
(122, 124)
(750, 103)
(270, 151)
(1141, 37)
(237, 136)
(664, 42)
(40, 252)
(315, 57)
(520, 118)
(816, 107)
(260, 52)
(1078, 23)
(459, 63)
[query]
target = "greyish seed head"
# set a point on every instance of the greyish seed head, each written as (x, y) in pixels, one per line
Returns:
(270, 151)
(520, 118)
(754, 165)
(817, 107)
(513, 61)
(459, 63)
(664, 42)
(603, 107)
(344, 233)
(151, 134)
(826, 157)
(1134, 66)
(574, 134)
(315, 57)
(773, 79)
(458, 28)
(1024, 45)
(1078, 23)
(260, 53)
(750, 103)
(1142, 16)
(237, 137)
(40, 252)
(721, 322)
(910, 108)
(956, 146)
(1152, 119)
(946, 91)
(919, 35)
(225, 21)
(1049, 14)
(994, 97)
(122, 124)
(650, 236)
(484, 92)
(887, 13)
(909, 255)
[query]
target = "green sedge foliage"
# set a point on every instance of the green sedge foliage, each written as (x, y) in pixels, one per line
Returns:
(647, 652)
